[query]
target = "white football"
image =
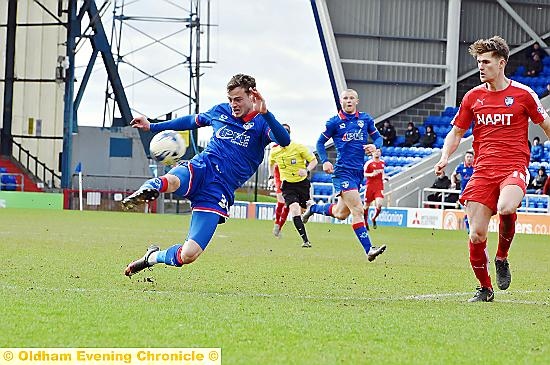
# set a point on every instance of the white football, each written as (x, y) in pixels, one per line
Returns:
(167, 147)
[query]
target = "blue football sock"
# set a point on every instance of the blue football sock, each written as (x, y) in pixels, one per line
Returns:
(363, 236)
(170, 256)
(323, 209)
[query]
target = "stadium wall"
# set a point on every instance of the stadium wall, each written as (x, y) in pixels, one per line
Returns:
(450, 219)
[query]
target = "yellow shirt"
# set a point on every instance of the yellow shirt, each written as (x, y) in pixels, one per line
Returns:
(290, 159)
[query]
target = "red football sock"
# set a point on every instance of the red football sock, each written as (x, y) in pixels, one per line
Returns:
(506, 232)
(278, 212)
(284, 214)
(480, 262)
(378, 210)
(366, 215)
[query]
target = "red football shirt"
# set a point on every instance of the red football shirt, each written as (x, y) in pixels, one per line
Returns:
(501, 124)
(376, 182)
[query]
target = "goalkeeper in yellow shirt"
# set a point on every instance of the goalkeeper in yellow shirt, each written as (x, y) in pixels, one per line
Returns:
(295, 162)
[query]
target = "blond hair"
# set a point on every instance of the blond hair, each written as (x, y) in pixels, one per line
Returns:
(495, 44)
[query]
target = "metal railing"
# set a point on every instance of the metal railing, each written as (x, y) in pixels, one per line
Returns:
(440, 203)
(36, 167)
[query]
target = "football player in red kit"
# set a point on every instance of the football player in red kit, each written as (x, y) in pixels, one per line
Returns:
(500, 108)
(374, 191)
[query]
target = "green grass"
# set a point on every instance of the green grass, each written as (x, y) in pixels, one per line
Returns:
(267, 301)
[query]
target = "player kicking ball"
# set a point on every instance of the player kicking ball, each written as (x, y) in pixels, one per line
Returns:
(242, 129)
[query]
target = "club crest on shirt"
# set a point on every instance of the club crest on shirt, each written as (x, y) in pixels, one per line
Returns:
(342, 125)
(360, 124)
(248, 125)
(509, 100)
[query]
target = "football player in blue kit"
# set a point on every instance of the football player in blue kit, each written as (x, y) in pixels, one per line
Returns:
(349, 130)
(242, 129)
(463, 173)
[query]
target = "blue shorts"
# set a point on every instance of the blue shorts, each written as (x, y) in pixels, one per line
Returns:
(203, 186)
(347, 180)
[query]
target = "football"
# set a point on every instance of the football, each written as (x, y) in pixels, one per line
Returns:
(167, 147)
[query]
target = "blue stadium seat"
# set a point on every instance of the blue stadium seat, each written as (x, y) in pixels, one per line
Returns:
(398, 151)
(520, 70)
(432, 119)
(546, 61)
(399, 140)
(439, 142)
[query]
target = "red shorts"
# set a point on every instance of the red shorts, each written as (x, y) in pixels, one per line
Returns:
(372, 194)
(485, 186)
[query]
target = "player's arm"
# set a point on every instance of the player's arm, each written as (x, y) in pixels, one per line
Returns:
(454, 180)
(367, 171)
(377, 140)
(449, 147)
(322, 152)
(277, 133)
(271, 178)
(179, 124)
(310, 166)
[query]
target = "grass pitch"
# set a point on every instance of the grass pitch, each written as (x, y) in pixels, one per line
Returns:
(265, 300)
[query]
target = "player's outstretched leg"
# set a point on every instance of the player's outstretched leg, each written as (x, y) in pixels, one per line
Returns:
(142, 263)
(149, 191)
(372, 252)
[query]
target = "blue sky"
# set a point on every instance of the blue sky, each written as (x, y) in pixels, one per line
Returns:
(275, 41)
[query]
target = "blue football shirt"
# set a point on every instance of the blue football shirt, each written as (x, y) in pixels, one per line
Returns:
(350, 133)
(465, 174)
(236, 148)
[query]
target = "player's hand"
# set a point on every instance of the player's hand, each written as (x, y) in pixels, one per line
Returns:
(258, 102)
(302, 172)
(328, 168)
(369, 148)
(141, 122)
(439, 167)
(271, 184)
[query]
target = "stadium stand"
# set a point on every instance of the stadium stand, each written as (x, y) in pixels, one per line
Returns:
(537, 83)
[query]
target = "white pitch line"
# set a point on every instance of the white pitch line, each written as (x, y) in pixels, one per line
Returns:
(417, 297)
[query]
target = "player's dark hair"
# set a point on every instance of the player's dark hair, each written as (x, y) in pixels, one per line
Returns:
(241, 80)
(494, 44)
(469, 153)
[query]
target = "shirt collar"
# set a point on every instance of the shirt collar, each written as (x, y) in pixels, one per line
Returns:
(247, 118)
(344, 116)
